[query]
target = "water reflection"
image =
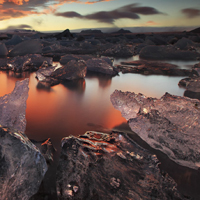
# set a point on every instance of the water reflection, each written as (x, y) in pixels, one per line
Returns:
(75, 85)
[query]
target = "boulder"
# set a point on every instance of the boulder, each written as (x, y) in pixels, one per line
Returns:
(26, 47)
(170, 124)
(45, 72)
(16, 39)
(186, 44)
(167, 53)
(3, 50)
(65, 59)
(192, 84)
(102, 65)
(66, 33)
(3, 64)
(13, 107)
(152, 67)
(22, 166)
(110, 166)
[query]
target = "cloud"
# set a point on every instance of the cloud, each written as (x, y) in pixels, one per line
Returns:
(131, 11)
(191, 12)
(21, 26)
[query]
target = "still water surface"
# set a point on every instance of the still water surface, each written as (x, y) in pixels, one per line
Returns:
(73, 108)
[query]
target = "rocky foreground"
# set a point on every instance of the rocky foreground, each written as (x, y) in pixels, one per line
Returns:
(169, 124)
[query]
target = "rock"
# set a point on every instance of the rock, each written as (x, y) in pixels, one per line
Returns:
(122, 31)
(170, 124)
(3, 64)
(3, 50)
(150, 67)
(66, 33)
(46, 148)
(22, 167)
(110, 166)
(26, 47)
(192, 84)
(118, 51)
(16, 39)
(186, 44)
(167, 53)
(43, 73)
(102, 65)
(157, 39)
(13, 107)
(90, 31)
(192, 95)
(65, 59)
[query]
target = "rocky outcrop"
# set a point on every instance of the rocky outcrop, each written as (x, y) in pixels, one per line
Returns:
(22, 167)
(65, 59)
(3, 50)
(150, 67)
(192, 84)
(170, 124)
(13, 107)
(167, 53)
(110, 166)
(102, 65)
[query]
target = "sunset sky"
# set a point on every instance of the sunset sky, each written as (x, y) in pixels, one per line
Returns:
(47, 15)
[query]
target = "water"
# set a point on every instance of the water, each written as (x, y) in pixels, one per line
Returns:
(73, 108)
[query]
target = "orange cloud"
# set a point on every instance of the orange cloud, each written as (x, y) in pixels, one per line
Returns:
(152, 23)
(98, 1)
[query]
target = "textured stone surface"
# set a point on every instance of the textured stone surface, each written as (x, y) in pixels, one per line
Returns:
(170, 124)
(102, 65)
(152, 67)
(13, 107)
(22, 167)
(110, 166)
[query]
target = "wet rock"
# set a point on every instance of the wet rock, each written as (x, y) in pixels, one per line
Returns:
(13, 107)
(65, 59)
(43, 73)
(186, 44)
(22, 167)
(26, 47)
(118, 51)
(3, 50)
(3, 63)
(150, 67)
(46, 148)
(169, 124)
(102, 65)
(192, 84)
(192, 95)
(110, 166)
(167, 52)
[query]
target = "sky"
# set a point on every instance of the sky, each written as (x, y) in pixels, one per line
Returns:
(52, 15)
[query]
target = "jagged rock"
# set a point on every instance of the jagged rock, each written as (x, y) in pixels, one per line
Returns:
(22, 167)
(13, 107)
(167, 52)
(66, 33)
(192, 84)
(170, 124)
(43, 73)
(150, 67)
(65, 59)
(110, 166)
(118, 51)
(102, 65)
(3, 50)
(46, 148)
(26, 47)
(16, 39)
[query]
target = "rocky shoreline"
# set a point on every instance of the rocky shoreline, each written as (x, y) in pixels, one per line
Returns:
(101, 165)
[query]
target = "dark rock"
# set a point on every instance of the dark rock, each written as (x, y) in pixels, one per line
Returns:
(118, 51)
(157, 39)
(122, 31)
(3, 50)
(170, 124)
(196, 30)
(192, 84)
(90, 31)
(16, 39)
(150, 67)
(192, 95)
(3, 64)
(65, 59)
(26, 47)
(110, 166)
(66, 33)
(22, 167)
(46, 148)
(167, 53)
(43, 73)
(102, 65)
(186, 44)
(13, 107)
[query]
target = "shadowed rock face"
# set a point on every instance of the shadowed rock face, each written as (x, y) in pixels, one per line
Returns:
(13, 107)
(170, 124)
(110, 166)
(22, 167)
(150, 67)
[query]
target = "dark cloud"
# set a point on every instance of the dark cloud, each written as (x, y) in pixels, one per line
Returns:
(21, 26)
(131, 11)
(191, 12)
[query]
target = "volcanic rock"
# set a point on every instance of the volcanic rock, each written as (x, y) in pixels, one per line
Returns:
(66, 33)
(150, 67)
(170, 124)
(110, 166)
(167, 53)
(65, 59)
(13, 107)
(102, 65)
(3, 50)
(186, 44)
(26, 47)
(192, 84)
(16, 39)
